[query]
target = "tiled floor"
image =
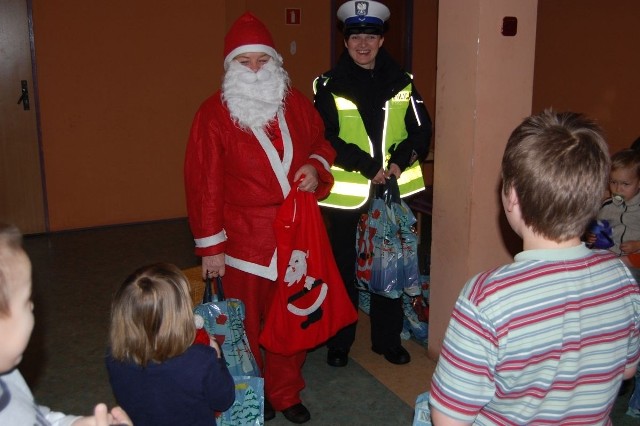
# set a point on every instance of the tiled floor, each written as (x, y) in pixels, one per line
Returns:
(75, 275)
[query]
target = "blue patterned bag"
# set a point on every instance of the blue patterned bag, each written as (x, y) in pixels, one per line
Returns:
(422, 415)
(408, 270)
(248, 408)
(223, 318)
(387, 245)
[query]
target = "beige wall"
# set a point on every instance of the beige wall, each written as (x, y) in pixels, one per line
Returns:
(587, 60)
(120, 81)
(479, 70)
(119, 84)
(425, 50)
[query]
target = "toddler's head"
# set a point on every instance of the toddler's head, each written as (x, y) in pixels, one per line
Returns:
(624, 179)
(558, 164)
(16, 308)
(151, 315)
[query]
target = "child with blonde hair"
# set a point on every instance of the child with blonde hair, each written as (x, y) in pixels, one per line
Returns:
(622, 209)
(156, 372)
(17, 406)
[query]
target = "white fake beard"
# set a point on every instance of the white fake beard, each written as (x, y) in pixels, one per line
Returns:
(253, 98)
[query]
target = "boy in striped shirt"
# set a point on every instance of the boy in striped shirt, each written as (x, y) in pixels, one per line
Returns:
(548, 338)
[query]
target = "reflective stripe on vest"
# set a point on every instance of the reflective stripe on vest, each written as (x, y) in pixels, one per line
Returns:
(351, 190)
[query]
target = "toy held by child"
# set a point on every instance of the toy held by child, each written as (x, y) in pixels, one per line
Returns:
(156, 372)
(17, 406)
(526, 340)
(603, 236)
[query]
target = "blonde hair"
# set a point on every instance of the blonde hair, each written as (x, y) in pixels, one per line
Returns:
(626, 159)
(10, 244)
(151, 316)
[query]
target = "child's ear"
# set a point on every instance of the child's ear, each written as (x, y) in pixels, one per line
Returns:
(510, 199)
(513, 196)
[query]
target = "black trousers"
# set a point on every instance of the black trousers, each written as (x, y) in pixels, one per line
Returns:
(386, 314)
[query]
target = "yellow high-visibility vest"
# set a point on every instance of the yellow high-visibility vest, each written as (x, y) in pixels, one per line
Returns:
(351, 190)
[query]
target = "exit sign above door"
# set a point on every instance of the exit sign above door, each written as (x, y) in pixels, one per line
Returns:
(292, 16)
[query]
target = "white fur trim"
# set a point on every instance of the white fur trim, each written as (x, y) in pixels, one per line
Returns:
(269, 272)
(199, 321)
(280, 169)
(212, 240)
(251, 48)
(288, 144)
(324, 162)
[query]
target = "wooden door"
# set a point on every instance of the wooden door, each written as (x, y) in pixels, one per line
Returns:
(21, 184)
(397, 38)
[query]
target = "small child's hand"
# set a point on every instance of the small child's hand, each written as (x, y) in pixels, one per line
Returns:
(629, 247)
(214, 344)
(590, 238)
(117, 417)
(120, 417)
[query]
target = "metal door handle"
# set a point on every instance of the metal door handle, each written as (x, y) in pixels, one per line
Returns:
(24, 96)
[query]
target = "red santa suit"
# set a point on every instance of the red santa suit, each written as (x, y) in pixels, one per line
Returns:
(234, 185)
(235, 181)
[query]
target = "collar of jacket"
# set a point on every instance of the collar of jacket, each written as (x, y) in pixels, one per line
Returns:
(390, 78)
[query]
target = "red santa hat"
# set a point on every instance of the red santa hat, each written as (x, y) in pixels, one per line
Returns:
(248, 34)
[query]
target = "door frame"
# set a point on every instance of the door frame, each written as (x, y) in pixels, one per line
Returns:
(22, 190)
(36, 103)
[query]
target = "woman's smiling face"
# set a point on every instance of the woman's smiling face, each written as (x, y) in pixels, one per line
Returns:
(363, 48)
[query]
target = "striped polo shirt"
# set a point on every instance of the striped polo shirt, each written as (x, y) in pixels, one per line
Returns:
(544, 340)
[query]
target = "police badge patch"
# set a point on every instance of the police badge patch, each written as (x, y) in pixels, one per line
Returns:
(362, 9)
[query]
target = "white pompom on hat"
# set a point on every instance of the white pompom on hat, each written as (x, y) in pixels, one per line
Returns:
(363, 16)
(248, 34)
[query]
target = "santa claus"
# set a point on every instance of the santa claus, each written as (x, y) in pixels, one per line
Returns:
(249, 143)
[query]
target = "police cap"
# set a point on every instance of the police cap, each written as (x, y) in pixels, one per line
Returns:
(363, 17)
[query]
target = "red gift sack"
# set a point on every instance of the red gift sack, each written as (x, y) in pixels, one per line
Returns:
(310, 304)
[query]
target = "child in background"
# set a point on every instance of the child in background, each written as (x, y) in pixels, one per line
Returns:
(634, 401)
(622, 212)
(17, 406)
(622, 209)
(548, 338)
(155, 371)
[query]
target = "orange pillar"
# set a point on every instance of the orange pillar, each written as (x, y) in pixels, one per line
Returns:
(483, 91)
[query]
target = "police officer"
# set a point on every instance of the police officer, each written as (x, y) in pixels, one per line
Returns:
(379, 126)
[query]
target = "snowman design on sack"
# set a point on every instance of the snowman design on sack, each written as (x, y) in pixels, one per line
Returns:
(296, 270)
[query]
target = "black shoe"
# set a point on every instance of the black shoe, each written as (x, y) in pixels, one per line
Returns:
(297, 413)
(396, 355)
(337, 357)
(269, 412)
